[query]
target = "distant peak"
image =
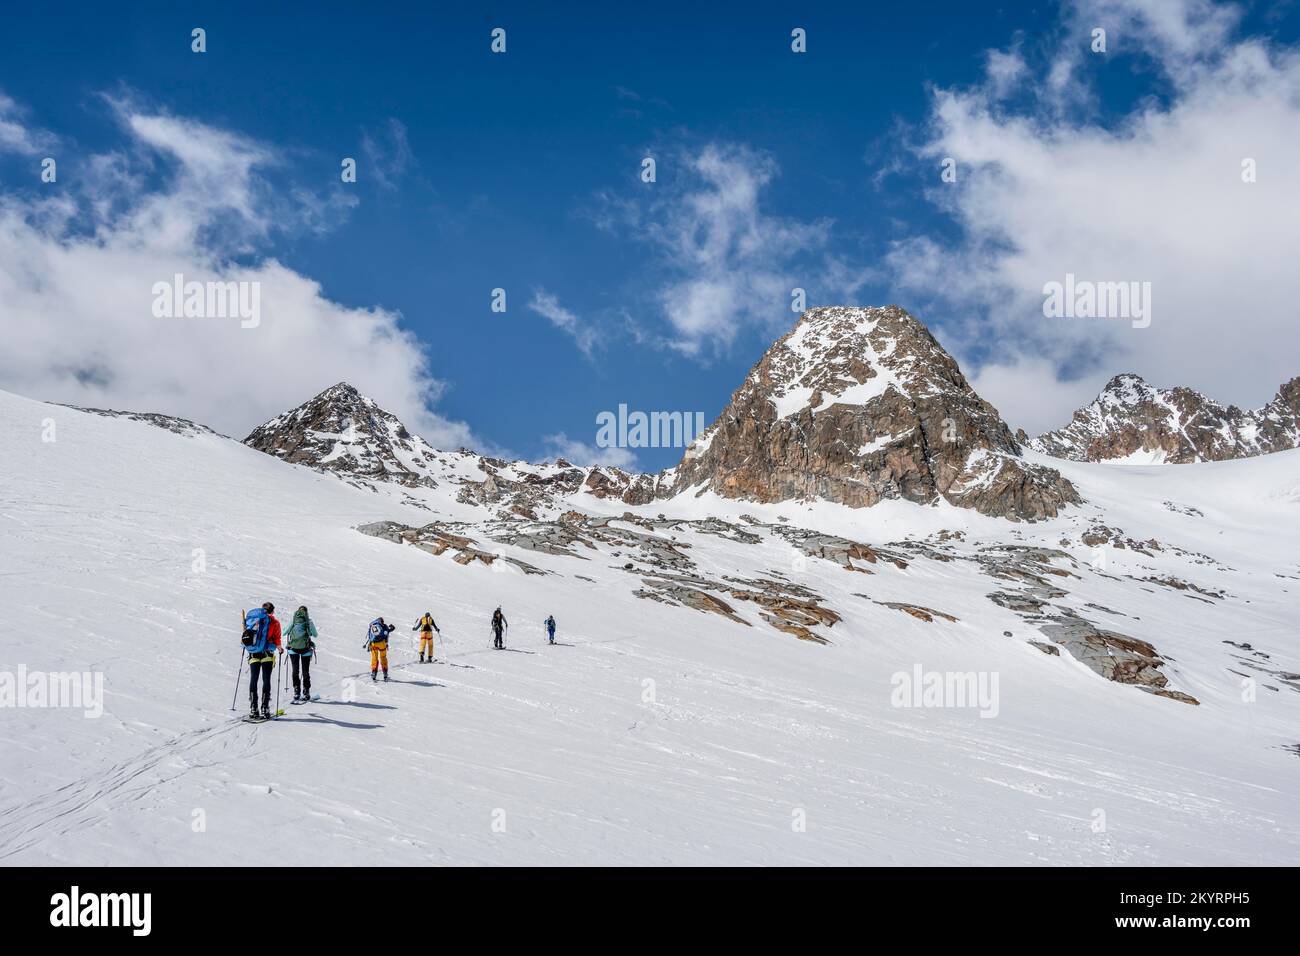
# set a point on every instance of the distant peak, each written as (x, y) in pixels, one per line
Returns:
(1126, 388)
(1135, 421)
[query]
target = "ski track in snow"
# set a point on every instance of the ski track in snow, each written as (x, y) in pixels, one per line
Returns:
(747, 726)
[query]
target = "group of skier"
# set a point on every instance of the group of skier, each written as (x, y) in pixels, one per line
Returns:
(263, 641)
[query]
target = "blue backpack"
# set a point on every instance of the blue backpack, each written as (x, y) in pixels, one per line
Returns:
(257, 627)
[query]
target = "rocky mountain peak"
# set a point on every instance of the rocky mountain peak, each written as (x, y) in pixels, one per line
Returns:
(1132, 420)
(342, 430)
(857, 405)
(1125, 389)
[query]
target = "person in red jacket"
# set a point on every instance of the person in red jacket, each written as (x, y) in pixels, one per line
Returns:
(262, 661)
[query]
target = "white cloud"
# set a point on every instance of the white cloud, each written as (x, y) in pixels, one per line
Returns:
(1003, 69)
(1005, 386)
(16, 136)
(1156, 195)
(387, 161)
(548, 305)
(724, 262)
(77, 274)
(579, 453)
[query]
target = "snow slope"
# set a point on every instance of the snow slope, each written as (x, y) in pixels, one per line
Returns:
(654, 734)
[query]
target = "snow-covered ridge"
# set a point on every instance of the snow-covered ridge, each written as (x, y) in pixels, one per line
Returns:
(1132, 421)
(348, 434)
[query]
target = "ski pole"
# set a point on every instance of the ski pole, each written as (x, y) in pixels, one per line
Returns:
(238, 674)
(278, 684)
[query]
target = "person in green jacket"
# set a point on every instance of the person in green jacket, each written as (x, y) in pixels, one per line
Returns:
(301, 641)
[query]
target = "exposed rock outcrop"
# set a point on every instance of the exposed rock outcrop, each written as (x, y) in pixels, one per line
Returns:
(438, 539)
(857, 406)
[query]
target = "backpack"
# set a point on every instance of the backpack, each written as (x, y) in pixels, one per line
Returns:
(300, 634)
(377, 632)
(257, 628)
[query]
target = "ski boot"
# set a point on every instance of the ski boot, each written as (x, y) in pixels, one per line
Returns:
(385, 677)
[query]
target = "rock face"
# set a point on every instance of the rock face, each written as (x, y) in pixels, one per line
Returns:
(343, 431)
(858, 405)
(1135, 420)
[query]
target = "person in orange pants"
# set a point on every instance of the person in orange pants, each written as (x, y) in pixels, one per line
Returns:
(377, 643)
(426, 626)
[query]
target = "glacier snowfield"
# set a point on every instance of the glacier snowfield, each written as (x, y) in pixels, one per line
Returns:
(652, 735)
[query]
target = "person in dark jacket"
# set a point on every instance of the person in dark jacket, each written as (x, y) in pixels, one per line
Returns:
(499, 625)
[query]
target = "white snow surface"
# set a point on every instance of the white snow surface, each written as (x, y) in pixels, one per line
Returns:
(653, 734)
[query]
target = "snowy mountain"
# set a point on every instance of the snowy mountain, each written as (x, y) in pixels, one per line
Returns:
(1118, 683)
(348, 434)
(1134, 421)
(341, 430)
(858, 406)
(853, 405)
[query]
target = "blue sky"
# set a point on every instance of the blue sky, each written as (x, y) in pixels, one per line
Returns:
(521, 171)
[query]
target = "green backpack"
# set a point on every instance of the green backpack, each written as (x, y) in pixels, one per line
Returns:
(300, 633)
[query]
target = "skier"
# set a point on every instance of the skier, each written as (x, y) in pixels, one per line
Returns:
(262, 639)
(550, 628)
(377, 644)
(499, 625)
(426, 625)
(302, 644)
